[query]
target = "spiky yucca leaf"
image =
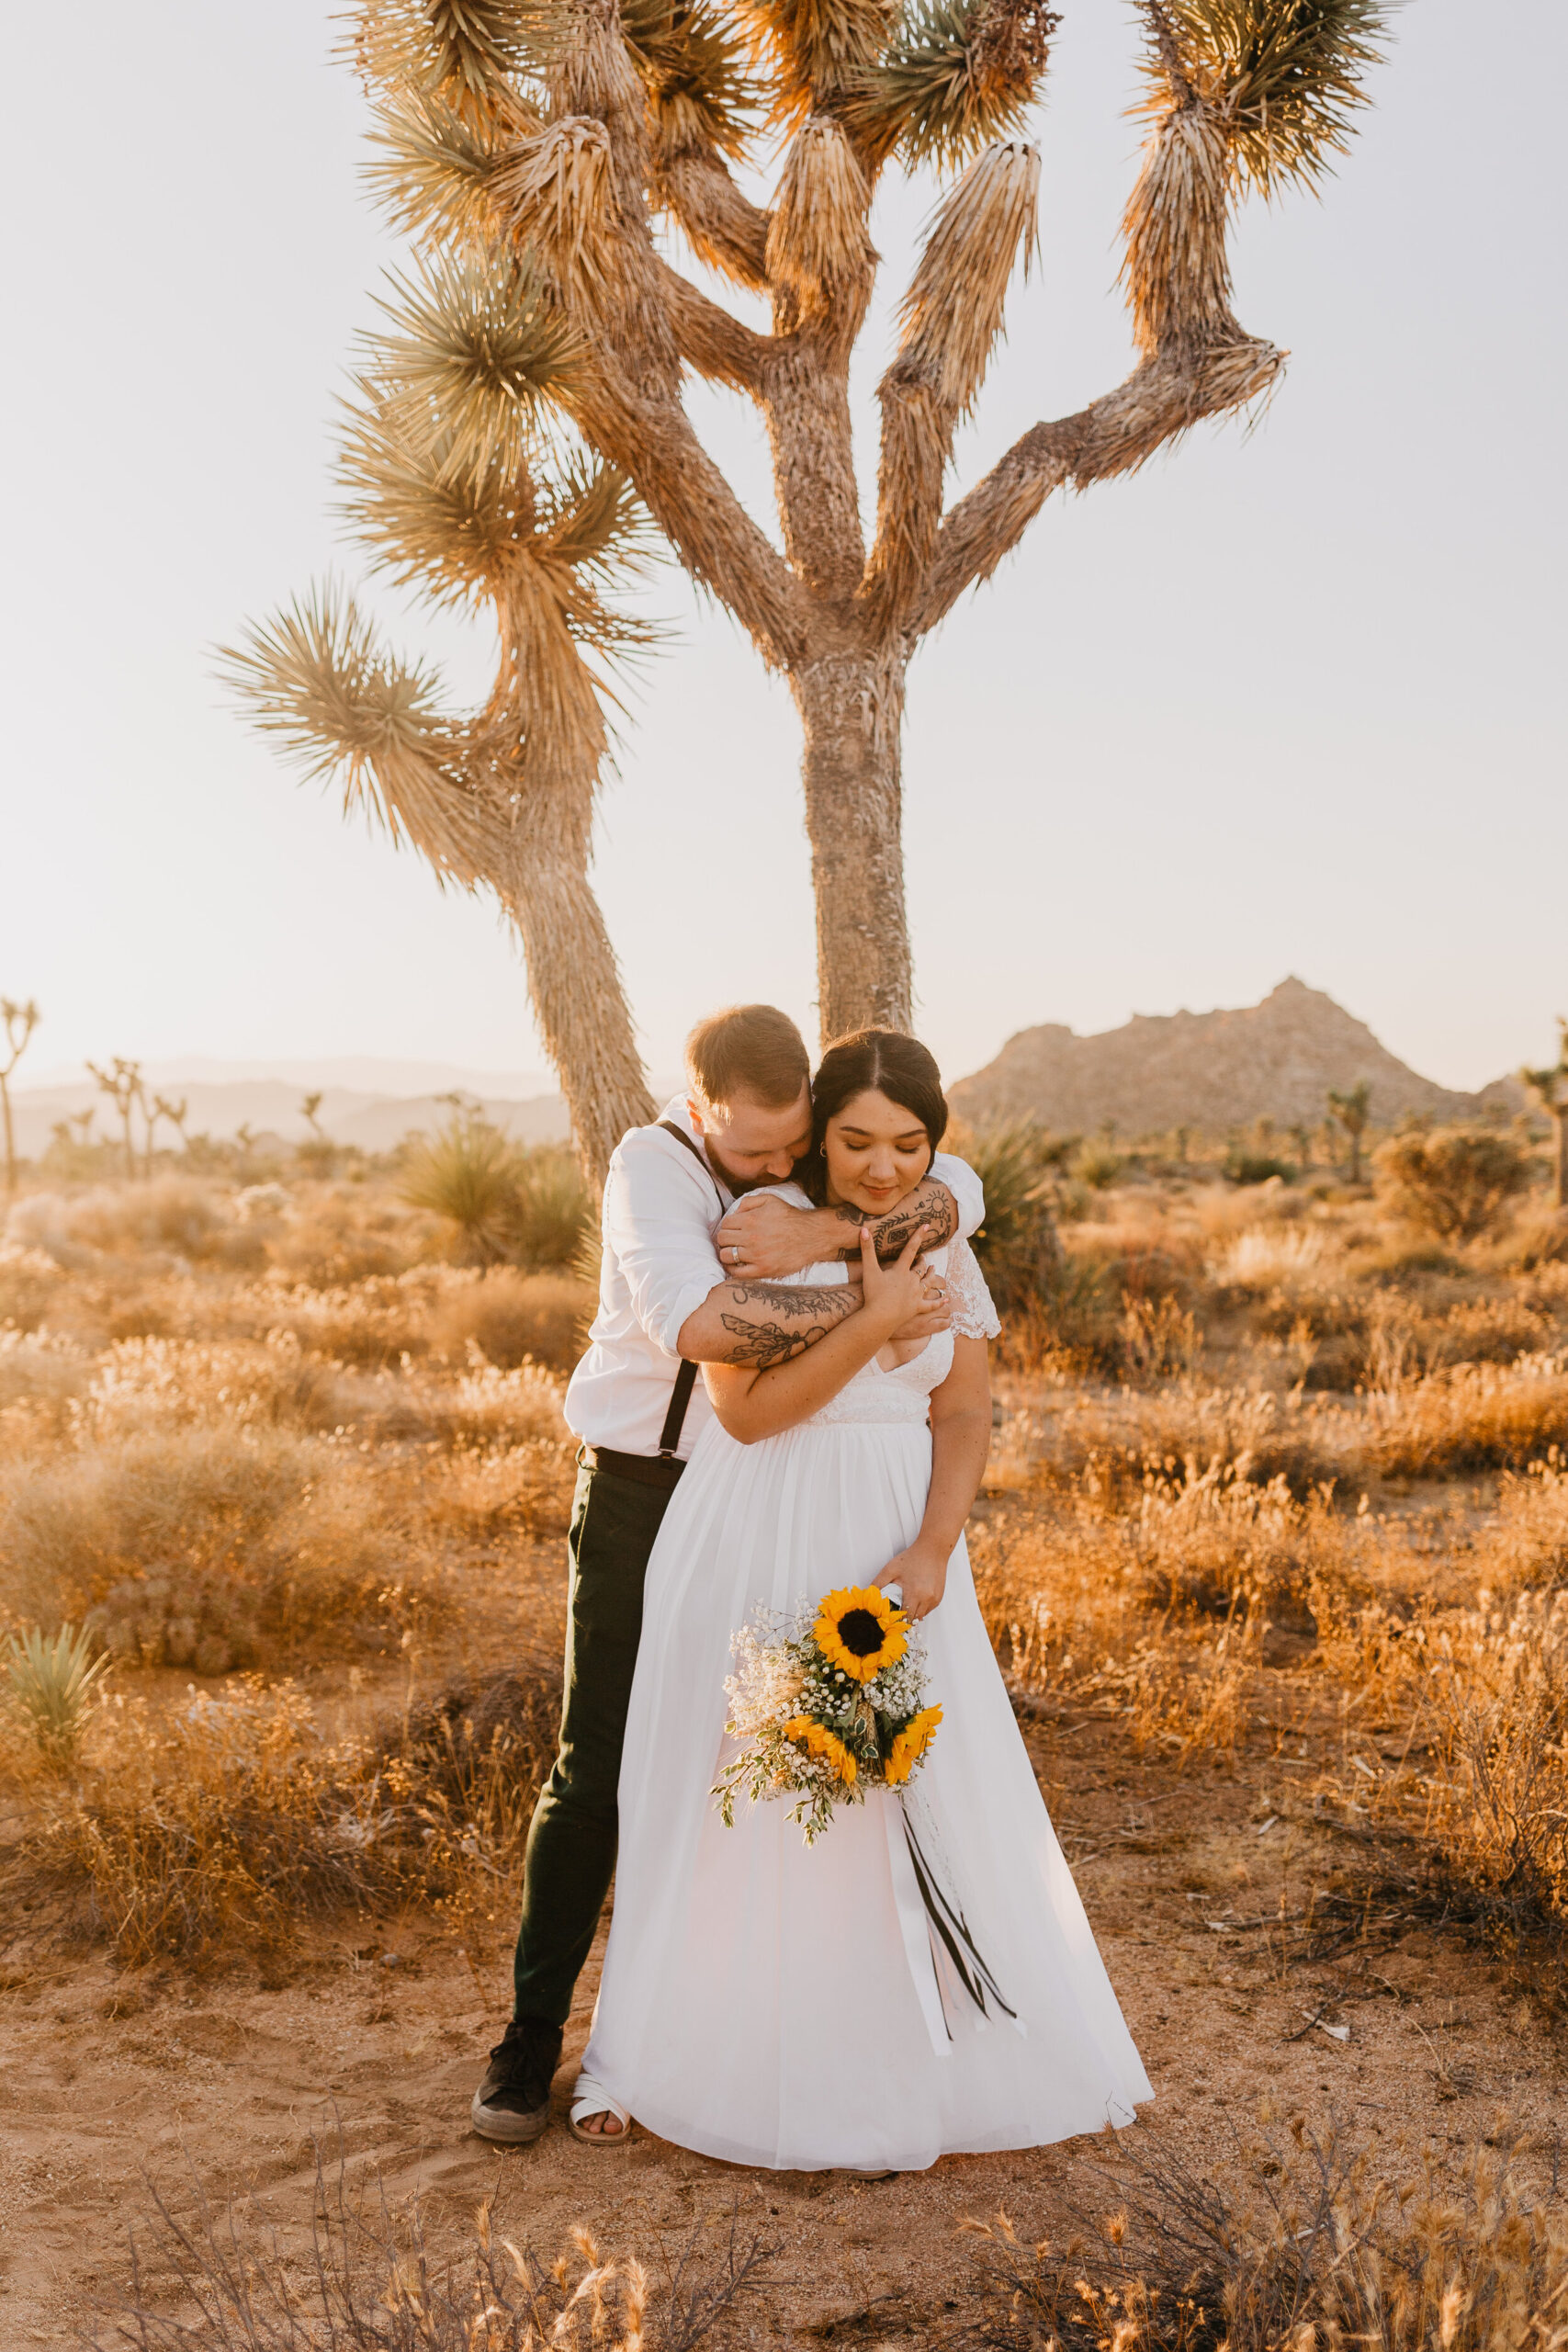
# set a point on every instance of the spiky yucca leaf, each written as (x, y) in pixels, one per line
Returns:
(591, 518)
(316, 676)
(956, 75)
(453, 529)
(430, 171)
(818, 244)
(473, 352)
(469, 51)
(555, 195)
(954, 311)
(1286, 76)
(702, 91)
(814, 51)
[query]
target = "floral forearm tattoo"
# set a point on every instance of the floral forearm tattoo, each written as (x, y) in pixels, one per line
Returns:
(930, 1204)
(784, 1320)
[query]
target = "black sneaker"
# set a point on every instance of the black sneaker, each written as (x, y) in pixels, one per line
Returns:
(513, 2103)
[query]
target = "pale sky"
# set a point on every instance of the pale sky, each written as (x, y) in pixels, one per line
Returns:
(1284, 703)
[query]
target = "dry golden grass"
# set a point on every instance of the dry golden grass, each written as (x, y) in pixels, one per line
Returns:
(1214, 1418)
(1297, 2239)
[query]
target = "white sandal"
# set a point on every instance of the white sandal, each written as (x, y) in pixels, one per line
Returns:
(590, 2097)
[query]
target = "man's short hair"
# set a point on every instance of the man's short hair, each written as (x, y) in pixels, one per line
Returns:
(752, 1049)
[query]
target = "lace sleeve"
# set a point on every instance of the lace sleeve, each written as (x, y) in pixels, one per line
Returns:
(973, 1317)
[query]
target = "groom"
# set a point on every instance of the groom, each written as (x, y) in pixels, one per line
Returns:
(691, 1275)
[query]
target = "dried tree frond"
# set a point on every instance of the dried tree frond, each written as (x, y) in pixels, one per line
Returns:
(555, 194)
(470, 52)
(1285, 75)
(958, 75)
(703, 92)
(590, 516)
(814, 51)
(1177, 269)
(316, 676)
(818, 244)
(954, 311)
(453, 529)
(471, 357)
(430, 171)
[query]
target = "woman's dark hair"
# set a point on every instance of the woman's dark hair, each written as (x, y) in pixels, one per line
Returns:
(896, 1066)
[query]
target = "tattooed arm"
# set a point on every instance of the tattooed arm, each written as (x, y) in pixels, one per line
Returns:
(772, 1389)
(758, 1325)
(774, 1238)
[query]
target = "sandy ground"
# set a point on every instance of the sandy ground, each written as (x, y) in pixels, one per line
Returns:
(109, 2081)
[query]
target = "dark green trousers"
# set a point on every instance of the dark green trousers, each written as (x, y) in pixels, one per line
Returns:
(571, 1840)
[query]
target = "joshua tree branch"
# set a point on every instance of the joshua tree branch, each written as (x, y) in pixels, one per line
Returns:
(709, 339)
(725, 229)
(1161, 399)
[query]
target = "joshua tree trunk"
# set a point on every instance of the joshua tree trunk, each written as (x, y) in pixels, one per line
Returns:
(10, 1139)
(851, 707)
(574, 981)
(1559, 1122)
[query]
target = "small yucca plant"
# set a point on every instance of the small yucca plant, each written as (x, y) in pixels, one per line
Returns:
(50, 1683)
(471, 1174)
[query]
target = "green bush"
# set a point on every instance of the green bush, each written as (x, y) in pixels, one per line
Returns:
(470, 1174)
(1019, 1166)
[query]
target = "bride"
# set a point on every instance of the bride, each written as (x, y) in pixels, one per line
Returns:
(781, 2004)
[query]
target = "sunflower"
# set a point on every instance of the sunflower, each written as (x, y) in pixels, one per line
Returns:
(820, 1741)
(860, 1631)
(910, 1744)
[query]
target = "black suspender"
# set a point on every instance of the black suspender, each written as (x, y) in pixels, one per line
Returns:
(686, 1378)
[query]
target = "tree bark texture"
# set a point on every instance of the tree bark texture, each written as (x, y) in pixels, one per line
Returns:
(851, 710)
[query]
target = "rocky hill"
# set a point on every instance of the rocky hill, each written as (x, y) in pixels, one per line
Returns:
(1209, 1070)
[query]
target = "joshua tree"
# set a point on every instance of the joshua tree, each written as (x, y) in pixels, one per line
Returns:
(1352, 1109)
(1550, 1088)
(176, 1115)
(310, 1105)
(18, 1021)
(503, 798)
(537, 153)
(122, 1084)
(1300, 1135)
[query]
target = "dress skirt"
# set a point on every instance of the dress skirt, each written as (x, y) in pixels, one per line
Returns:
(759, 2002)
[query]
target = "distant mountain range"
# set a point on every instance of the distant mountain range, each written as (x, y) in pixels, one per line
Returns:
(1210, 1070)
(374, 1117)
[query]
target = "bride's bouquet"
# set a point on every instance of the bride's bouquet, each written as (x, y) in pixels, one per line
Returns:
(828, 1703)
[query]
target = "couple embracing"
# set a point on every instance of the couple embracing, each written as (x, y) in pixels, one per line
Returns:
(786, 1391)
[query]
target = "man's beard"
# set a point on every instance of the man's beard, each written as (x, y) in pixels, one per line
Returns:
(733, 1182)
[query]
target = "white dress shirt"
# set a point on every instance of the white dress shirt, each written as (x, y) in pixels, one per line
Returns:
(661, 1205)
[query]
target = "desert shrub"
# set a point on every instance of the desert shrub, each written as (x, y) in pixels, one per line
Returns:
(1497, 1692)
(259, 1539)
(1097, 1166)
(1455, 1184)
(44, 1373)
(50, 1684)
(1017, 1246)
(1160, 1339)
(370, 2285)
(1293, 2240)
(481, 1494)
(554, 1209)
(1471, 1416)
(29, 1285)
(1251, 1168)
(1267, 1257)
(172, 1212)
(371, 1323)
(509, 1315)
(469, 1174)
(332, 1241)
(217, 1825)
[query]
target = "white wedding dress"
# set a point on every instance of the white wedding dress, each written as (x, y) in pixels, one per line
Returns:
(776, 2003)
